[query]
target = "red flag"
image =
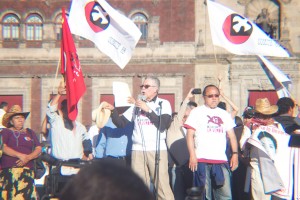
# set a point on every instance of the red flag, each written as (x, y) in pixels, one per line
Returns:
(71, 69)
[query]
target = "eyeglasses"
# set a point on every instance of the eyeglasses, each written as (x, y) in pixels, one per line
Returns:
(146, 86)
(249, 108)
(212, 95)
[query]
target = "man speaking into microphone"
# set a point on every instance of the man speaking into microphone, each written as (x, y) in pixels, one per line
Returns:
(152, 117)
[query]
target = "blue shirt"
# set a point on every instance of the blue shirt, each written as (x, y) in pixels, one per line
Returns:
(113, 141)
(100, 147)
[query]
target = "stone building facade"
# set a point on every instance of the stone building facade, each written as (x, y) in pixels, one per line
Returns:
(176, 46)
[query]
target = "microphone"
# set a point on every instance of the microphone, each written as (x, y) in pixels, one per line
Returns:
(140, 97)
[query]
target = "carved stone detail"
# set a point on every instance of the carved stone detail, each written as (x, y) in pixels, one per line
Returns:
(265, 15)
(243, 2)
(153, 30)
(155, 2)
(286, 1)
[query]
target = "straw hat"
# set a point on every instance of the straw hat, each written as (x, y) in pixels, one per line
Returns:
(101, 115)
(13, 111)
(264, 107)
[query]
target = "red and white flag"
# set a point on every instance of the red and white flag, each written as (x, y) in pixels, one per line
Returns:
(114, 34)
(278, 79)
(71, 69)
(239, 35)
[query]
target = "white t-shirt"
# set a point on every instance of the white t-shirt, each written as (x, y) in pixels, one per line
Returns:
(210, 127)
(145, 132)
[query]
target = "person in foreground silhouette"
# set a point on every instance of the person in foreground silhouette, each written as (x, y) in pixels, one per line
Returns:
(106, 180)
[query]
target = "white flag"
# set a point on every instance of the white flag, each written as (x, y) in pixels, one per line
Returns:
(238, 35)
(278, 79)
(114, 34)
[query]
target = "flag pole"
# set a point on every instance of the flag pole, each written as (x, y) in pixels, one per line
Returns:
(56, 74)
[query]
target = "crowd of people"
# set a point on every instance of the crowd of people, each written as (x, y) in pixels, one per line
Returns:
(147, 152)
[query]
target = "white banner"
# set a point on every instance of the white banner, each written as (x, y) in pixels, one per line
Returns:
(279, 80)
(238, 35)
(114, 34)
(274, 143)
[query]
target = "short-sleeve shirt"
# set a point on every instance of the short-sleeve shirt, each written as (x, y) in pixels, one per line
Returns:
(210, 127)
(22, 142)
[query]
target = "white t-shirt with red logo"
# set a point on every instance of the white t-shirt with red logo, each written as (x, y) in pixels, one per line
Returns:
(210, 127)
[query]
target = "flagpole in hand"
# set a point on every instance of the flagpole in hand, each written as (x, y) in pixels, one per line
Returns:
(60, 91)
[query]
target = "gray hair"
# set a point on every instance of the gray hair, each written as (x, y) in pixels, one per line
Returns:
(155, 79)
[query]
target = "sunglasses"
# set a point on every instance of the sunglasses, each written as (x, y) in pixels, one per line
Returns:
(212, 95)
(249, 108)
(146, 86)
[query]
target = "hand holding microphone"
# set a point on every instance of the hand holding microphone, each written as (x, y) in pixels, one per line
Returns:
(140, 103)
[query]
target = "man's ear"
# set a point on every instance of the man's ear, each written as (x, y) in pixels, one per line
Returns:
(291, 111)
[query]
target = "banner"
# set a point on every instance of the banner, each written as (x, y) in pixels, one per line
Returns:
(279, 80)
(238, 35)
(273, 144)
(71, 69)
(114, 34)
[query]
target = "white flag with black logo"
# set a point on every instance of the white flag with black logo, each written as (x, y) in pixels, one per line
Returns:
(238, 35)
(114, 34)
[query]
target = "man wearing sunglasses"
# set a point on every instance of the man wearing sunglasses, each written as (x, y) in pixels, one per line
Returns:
(152, 117)
(206, 139)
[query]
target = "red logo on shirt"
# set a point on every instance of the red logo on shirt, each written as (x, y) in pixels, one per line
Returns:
(215, 120)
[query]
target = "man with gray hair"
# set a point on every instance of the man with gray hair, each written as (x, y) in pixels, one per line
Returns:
(152, 117)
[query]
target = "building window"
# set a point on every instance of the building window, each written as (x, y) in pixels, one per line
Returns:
(34, 28)
(58, 27)
(141, 22)
(11, 27)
